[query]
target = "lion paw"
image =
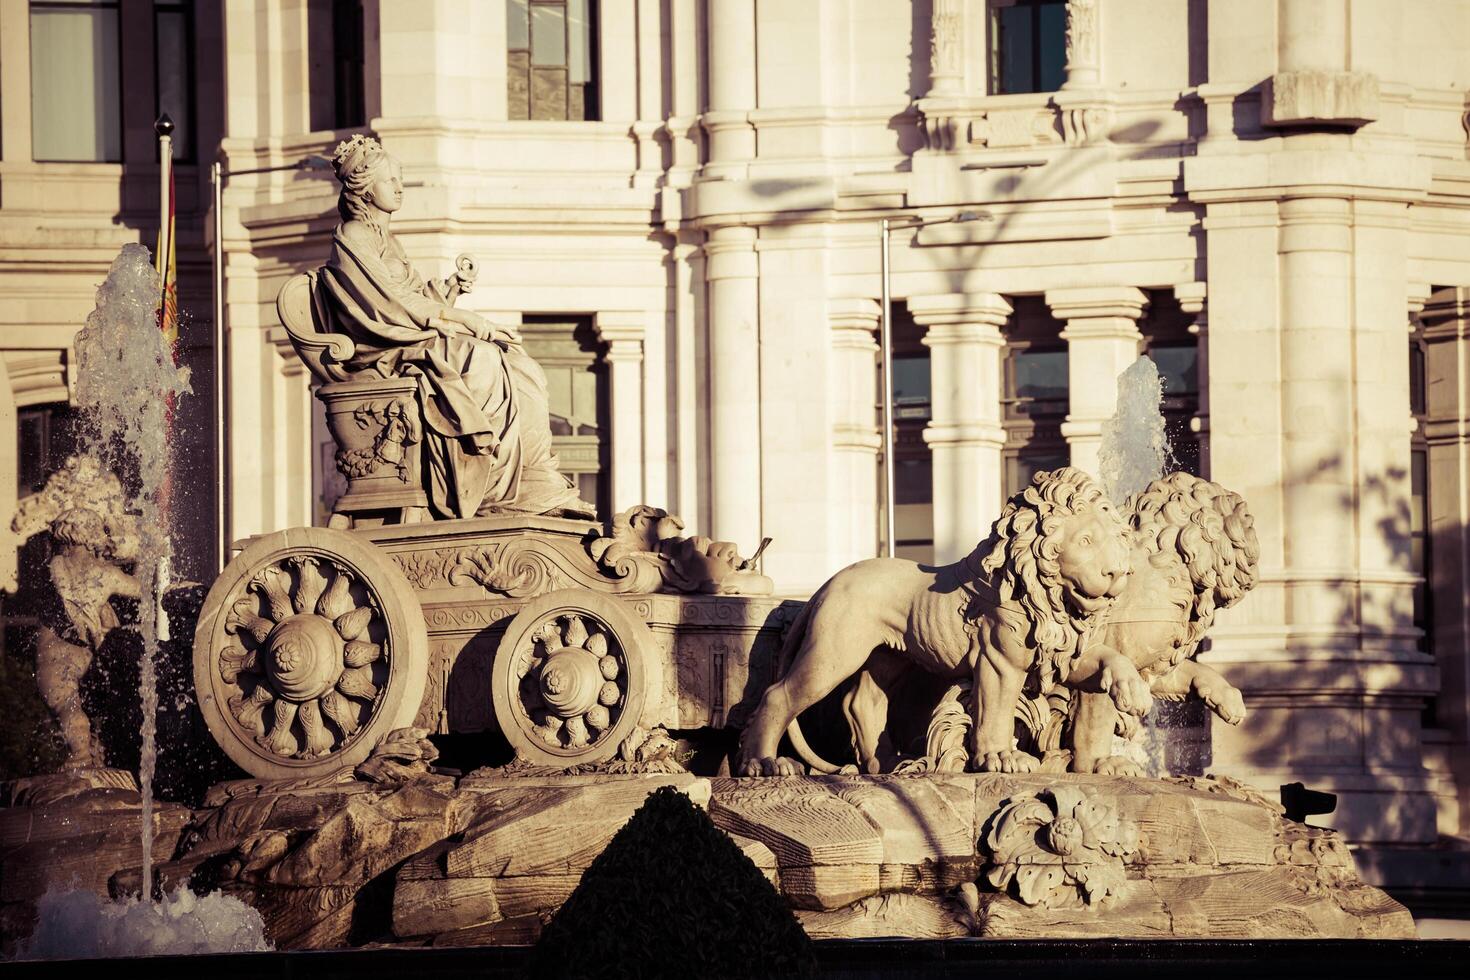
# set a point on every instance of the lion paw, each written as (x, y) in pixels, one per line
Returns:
(1009, 760)
(776, 766)
(1118, 765)
(1130, 692)
(1227, 702)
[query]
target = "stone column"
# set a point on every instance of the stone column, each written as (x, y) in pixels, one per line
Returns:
(689, 498)
(1191, 296)
(947, 48)
(622, 332)
(965, 435)
(734, 374)
(852, 517)
(1102, 341)
(732, 90)
(1446, 321)
(1084, 47)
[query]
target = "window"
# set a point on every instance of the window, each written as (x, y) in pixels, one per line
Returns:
(1035, 399)
(1028, 46)
(550, 59)
(173, 72)
(337, 55)
(76, 81)
(1175, 351)
(576, 386)
(46, 437)
(1419, 538)
(349, 108)
(913, 462)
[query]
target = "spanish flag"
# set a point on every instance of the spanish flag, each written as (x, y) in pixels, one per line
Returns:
(165, 259)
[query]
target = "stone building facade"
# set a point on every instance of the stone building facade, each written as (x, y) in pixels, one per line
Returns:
(680, 200)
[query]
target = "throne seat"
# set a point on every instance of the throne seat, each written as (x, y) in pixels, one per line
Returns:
(375, 421)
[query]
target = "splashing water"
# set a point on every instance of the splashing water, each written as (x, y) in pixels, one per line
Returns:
(127, 386)
(127, 383)
(1135, 447)
(1135, 452)
(79, 924)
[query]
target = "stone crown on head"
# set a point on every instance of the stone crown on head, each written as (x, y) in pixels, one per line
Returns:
(355, 155)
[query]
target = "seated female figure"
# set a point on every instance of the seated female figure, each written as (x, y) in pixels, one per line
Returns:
(487, 434)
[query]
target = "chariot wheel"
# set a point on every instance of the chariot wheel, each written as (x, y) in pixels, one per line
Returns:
(310, 647)
(572, 677)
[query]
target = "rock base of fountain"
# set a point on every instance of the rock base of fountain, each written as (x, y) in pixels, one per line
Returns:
(488, 858)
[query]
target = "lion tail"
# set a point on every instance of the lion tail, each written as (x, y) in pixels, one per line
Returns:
(789, 649)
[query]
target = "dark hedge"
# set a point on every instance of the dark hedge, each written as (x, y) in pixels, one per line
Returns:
(672, 896)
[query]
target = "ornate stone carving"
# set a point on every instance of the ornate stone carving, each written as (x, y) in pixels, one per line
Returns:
(1055, 560)
(643, 548)
(570, 682)
(93, 540)
(1316, 97)
(1060, 848)
(391, 348)
(395, 424)
(1086, 124)
(1015, 128)
(403, 756)
(310, 648)
(1082, 44)
(947, 47)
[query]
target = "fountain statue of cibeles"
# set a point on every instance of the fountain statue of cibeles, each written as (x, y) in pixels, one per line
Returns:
(437, 411)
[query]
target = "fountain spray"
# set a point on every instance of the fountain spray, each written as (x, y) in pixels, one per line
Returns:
(126, 382)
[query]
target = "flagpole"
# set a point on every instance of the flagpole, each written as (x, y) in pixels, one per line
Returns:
(163, 127)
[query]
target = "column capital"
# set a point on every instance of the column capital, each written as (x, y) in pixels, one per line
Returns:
(1191, 296)
(1097, 302)
(853, 313)
(622, 331)
(1417, 294)
(949, 309)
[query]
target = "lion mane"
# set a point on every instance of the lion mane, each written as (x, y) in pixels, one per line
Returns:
(1024, 547)
(1213, 534)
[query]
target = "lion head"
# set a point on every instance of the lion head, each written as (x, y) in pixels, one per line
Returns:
(1213, 534)
(1061, 552)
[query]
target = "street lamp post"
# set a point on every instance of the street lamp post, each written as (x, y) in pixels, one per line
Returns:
(885, 343)
(218, 175)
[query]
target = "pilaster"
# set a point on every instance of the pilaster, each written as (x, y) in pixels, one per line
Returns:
(853, 512)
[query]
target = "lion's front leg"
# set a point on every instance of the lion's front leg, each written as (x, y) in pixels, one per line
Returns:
(998, 684)
(1223, 698)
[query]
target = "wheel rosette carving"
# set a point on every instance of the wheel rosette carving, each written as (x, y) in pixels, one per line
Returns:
(309, 659)
(572, 681)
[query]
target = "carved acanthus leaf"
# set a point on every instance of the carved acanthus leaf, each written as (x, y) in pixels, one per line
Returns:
(1060, 848)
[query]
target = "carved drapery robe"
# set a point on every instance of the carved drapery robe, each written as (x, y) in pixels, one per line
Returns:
(487, 437)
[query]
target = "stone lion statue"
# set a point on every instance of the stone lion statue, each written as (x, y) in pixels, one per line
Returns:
(1194, 552)
(1018, 605)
